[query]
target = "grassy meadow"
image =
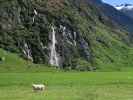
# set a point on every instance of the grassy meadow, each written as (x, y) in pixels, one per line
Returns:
(18, 75)
(67, 86)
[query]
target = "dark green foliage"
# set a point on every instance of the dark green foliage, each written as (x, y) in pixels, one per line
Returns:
(99, 41)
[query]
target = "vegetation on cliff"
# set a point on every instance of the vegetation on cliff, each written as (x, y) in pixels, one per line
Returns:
(86, 39)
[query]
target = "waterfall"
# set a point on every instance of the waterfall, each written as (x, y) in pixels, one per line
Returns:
(75, 36)
(54, 60)
(35, 14)
(27, 51)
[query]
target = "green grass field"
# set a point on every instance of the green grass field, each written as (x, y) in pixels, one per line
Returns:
(18, 75)
(67, 86)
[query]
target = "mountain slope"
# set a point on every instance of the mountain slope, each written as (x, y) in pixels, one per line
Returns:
(71, 34)
(126, 8)
(120, 18)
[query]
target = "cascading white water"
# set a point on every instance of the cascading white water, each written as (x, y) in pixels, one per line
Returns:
(54, 60)
(75, 36)
(35, 14)
(27, 51)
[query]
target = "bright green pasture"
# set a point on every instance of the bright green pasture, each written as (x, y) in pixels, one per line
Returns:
(67, 86)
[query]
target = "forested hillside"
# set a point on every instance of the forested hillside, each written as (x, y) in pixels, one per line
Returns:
(69, 34)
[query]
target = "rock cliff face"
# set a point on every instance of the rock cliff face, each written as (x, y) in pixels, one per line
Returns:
(63, 33)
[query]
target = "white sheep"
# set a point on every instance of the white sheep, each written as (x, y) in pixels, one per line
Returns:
(38, 87)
